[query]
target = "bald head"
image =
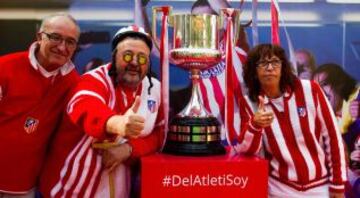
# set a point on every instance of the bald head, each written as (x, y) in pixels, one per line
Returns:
(57, 40)
(55, 18)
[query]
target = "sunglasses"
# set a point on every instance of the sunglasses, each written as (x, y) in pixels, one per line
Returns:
(129, 56)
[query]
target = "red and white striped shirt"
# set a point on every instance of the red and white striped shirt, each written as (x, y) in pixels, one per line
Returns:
(303, 143)
(73, 168)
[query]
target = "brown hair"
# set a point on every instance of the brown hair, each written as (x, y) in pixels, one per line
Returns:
(341, 82)
(259, 52)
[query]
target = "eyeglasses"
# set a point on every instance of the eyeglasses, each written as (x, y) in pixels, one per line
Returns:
(58, 39)
(128, 56)
(275, 63)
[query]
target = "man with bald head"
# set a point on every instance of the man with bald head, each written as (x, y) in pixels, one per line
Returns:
(33, 89)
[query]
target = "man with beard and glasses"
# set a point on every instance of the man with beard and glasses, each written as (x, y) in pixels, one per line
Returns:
(113, 118)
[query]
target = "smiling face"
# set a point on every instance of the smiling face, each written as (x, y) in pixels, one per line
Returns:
(132, 61)
(55, 42)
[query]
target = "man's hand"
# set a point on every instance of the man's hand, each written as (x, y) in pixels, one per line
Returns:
(336, 195)
(263, 118)
(114, 156)
(354, 109)
(128, 125)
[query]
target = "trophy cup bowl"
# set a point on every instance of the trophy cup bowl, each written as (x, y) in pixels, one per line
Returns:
(194, 131)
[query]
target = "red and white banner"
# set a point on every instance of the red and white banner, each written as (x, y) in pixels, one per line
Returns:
(164, 64)
(275, 36)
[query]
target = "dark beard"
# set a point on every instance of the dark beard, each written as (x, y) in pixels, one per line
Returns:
(115, 74)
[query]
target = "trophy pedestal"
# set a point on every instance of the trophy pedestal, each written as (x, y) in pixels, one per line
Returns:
(194, 136)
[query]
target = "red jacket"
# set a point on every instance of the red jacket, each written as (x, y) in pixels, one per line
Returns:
(303, 143)
(73, 167)
(30, 108)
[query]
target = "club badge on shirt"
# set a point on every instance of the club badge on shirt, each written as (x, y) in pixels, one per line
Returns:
(31, 125)
(301, 111)
(151, 105)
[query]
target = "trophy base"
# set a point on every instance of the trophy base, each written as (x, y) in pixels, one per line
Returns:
(193, 149)
(194, 136)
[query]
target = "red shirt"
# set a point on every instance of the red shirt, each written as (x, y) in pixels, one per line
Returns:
(31, 103)
(73, 168)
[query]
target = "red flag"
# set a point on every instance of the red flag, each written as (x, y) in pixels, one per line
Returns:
(164, 64)
(275, 16)
(275, 38)
(222, 91)
(229, 92)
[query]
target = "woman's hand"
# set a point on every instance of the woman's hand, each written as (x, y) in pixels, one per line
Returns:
(263, 118)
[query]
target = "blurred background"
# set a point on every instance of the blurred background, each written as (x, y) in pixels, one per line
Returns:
(330, 29)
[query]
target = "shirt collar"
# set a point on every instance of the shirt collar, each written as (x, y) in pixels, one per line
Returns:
(64, 70)
(287, 94)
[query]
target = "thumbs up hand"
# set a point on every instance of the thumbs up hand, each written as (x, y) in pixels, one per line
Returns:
(263, 118)
(128, 125)
(135, 107)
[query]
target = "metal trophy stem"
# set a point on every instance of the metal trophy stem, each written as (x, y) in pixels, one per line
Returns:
(195, 107)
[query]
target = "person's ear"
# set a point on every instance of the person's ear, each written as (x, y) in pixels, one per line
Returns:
(38, 36)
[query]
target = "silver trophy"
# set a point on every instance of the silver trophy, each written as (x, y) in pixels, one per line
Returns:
(194, 131)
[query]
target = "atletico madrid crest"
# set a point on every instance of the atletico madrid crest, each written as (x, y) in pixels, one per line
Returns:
(31, 125)
(151, 105)
(302, 111)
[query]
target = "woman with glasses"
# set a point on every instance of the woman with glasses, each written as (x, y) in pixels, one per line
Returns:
(294, 125)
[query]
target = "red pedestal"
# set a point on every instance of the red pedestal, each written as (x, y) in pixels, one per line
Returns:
(165, 175)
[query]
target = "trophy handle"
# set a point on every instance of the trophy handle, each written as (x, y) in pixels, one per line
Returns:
(224, 12)
(155, 10)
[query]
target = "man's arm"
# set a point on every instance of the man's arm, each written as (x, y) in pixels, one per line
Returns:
(134, 149)
(88, 108)
(151, 143)
(137, 147)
